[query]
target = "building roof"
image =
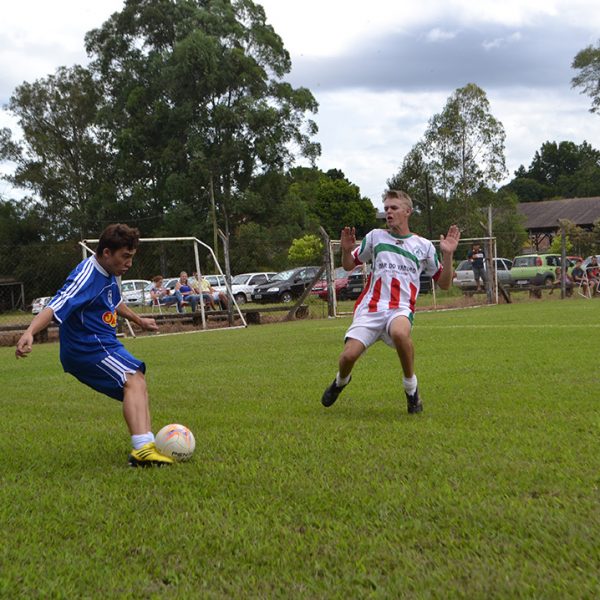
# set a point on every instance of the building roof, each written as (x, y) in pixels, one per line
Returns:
(546, 214)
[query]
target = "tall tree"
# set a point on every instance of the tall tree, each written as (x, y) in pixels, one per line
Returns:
(464, 146)
(587, 62)
(60, 158)
(196, 100)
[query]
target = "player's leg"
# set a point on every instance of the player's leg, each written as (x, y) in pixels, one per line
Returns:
(136, 411)
(352, 351)
(119, 375)
(400, 333)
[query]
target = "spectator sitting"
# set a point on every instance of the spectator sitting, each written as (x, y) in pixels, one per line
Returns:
(162, 295)
(184, 287)
(558, 281)
(593, 275)
(579, 277)
(211, 295)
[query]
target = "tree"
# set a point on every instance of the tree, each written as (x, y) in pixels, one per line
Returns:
(196, 99)
(464, 146)
(306, 250)
(60, 159)
(460, 155)
(559, 170)
(331, 200)
(587, 62)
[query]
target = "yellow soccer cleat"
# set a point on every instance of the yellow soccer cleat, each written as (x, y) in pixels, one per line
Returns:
(148, 456)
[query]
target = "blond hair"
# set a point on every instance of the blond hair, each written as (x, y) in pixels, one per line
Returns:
(399, 195)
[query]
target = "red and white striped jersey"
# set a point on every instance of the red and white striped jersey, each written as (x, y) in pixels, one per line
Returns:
(396, 264)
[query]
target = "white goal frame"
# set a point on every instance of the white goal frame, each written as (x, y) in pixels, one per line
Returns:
(196, 243)
(490, 242)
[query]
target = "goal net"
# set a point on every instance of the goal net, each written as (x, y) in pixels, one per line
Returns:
(463, 274)
(168, 257)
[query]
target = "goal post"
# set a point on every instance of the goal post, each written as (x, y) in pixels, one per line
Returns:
(487, 242)
(159, 255)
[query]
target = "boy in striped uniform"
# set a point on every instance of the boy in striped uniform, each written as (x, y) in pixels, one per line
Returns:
(86, 308)
(386, 307)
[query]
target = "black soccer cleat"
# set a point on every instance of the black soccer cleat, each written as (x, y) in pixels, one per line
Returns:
(330, 395)
(414, 403)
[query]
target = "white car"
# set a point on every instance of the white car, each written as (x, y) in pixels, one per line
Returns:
(133, 291)
(464, 279)
(243, 285)
(39, 304)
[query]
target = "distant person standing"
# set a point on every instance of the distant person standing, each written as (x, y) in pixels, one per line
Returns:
(476, 257)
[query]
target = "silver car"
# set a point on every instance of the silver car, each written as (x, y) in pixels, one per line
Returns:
(464, 279)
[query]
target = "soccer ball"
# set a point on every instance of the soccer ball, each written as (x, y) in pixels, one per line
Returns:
(176, 441)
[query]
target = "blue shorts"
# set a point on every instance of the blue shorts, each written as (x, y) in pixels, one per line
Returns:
(104, 371)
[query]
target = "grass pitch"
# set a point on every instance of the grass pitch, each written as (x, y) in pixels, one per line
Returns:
(492, 492)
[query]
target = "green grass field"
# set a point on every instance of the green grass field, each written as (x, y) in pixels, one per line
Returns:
(493, 492)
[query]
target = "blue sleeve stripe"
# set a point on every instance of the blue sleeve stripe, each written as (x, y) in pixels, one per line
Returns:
(73, 289)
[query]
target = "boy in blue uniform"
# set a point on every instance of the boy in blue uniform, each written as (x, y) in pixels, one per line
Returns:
(86, 308)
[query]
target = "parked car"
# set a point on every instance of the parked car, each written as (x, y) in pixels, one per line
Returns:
(243, 285)
(133, 291)
(358, 279)
(285, 286)
(535, 269)
(464, 279)
(215, 280)
(586, 262)
(39, 304)
(340, 281)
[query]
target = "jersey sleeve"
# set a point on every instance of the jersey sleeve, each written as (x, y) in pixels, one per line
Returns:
(76, 291)
(431, 265)
(364, 252)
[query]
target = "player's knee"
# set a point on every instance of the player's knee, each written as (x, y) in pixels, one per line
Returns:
(136, 381)
(350, 355)
(400, 337)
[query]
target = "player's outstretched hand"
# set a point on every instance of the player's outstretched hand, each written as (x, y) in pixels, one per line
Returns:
(449, 243)
(24, 345)
(148, 324)
(348, 239)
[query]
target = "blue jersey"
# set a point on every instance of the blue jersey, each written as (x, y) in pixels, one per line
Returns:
(85, 307)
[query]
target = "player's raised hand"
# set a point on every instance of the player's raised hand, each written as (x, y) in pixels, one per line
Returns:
(348, 239)
(449, 243)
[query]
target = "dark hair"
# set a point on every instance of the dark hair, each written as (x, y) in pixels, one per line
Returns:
(118, 236)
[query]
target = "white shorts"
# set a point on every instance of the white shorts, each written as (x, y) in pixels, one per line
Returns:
(367, 328)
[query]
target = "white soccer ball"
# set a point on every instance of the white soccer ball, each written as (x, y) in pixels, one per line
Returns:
(176, 441)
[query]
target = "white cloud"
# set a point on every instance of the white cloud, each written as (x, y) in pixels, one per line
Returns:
(502, 41)
(439, 35)
(364, 132)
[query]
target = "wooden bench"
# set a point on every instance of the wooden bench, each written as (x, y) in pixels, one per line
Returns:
(535, 291)
(251, 314)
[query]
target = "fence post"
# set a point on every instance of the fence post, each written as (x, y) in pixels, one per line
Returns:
(328, 260)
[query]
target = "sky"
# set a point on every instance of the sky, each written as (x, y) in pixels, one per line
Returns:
(379, 69)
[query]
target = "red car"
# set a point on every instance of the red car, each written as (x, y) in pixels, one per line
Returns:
(340, 281)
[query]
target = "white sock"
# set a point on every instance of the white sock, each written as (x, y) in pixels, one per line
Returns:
(137, 441)
(340, 382)
(410, 384)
